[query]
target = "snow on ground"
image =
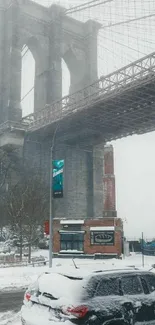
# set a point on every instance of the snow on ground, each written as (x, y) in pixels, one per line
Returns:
(21, 277)
(10, 318)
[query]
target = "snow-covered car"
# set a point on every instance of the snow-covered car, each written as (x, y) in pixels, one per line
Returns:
(110, 297)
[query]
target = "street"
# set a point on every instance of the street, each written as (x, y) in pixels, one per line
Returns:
(11, 301)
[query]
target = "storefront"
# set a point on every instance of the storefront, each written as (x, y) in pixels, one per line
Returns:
(89, 236)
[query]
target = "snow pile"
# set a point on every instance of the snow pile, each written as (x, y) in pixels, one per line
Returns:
(19, 277)
(10, 318)
(41, 315)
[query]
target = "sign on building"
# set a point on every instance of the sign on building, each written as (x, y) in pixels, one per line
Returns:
(105, 238)
(58, 178)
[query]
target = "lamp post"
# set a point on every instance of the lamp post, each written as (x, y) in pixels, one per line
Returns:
(143, 262)
(51, 210)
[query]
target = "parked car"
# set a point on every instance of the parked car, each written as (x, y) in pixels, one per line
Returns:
(110, 297)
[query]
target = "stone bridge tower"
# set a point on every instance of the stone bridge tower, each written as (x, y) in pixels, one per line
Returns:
(50, 35)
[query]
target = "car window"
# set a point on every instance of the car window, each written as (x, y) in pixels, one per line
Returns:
(131, 285)
(145, 286)
(108, 287)
(91, 286)
(150, 279)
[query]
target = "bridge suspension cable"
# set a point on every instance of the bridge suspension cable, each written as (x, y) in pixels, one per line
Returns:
(26, 51)
(117, 46)
(87, 5)
(81, 5)
(127, 21)
(28, 93)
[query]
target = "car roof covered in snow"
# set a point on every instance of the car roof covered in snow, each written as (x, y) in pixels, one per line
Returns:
(71, 283)
(80, 274)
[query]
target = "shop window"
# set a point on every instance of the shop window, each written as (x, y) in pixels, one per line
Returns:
(71, 241)
(71, 227)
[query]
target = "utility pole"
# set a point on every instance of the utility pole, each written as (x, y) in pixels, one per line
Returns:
(143, 249)
(51, 210)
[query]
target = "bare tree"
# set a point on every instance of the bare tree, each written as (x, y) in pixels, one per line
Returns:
(10, 161)
(27, 204)
(8, 169)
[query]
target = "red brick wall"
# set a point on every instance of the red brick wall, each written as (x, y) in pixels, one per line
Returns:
(92, 249)
(56, 236)
(88, 248)
(109, 199)
(109, 222)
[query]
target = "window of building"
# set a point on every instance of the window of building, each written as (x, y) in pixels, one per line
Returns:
(71, 227)
(71, 241)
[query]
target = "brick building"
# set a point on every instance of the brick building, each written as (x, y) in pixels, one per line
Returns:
(97, 235)
(89, 236)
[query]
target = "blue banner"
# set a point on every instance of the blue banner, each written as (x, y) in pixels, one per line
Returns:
(58, 175)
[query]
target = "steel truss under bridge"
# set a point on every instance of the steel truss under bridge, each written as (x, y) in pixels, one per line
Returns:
(116, 105)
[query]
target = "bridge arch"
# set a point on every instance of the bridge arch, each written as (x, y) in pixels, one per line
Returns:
(66, 79)
(44, 30)
(39, 72)
(27, 81)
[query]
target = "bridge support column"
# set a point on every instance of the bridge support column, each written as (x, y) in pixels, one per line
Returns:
(41, 83)
(54, 87)
(82, 62)
(74, 203)
(83, 183)
(2, 24)
(12, 65)
(83, 178)
(91, 31)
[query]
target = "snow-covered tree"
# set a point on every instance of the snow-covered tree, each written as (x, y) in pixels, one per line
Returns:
(9, 164)
(27, 207)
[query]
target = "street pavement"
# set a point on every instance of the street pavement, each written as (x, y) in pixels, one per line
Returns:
(11, 300)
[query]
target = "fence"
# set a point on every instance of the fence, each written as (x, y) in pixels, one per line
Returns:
(11, 260)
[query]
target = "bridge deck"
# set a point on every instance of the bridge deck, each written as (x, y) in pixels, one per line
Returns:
(115, 106)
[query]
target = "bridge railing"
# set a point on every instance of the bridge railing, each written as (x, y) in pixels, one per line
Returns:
(140, 71)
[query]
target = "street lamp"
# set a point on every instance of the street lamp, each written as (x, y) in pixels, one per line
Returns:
(51, 210)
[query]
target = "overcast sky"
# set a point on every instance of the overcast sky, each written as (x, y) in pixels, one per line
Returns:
(134, 156)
